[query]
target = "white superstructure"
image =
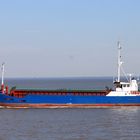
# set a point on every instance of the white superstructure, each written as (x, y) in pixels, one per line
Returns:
(129, 88)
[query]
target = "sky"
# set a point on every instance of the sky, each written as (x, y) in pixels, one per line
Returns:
(69, 38)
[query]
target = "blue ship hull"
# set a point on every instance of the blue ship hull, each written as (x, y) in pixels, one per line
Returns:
(47, 101)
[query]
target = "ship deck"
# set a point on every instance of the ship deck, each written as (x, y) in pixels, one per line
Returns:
(21, 92)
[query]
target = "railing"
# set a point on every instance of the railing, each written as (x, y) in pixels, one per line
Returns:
(135, 92)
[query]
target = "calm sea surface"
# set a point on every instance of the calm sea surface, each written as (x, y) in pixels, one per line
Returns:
(120, 123)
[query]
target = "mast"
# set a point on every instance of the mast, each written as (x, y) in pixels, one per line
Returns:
(2, 77)
(119, 61)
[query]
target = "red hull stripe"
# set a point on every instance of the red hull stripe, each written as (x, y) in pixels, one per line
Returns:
(12, 105)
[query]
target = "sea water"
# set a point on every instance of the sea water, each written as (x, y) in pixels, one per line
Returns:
(119, 123)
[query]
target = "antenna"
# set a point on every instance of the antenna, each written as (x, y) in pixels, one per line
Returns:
(130, 76)
(138, 78)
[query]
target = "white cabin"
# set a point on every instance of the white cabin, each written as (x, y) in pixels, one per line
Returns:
(126, 89)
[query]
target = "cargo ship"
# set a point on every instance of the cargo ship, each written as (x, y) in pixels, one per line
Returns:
(124, 94)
